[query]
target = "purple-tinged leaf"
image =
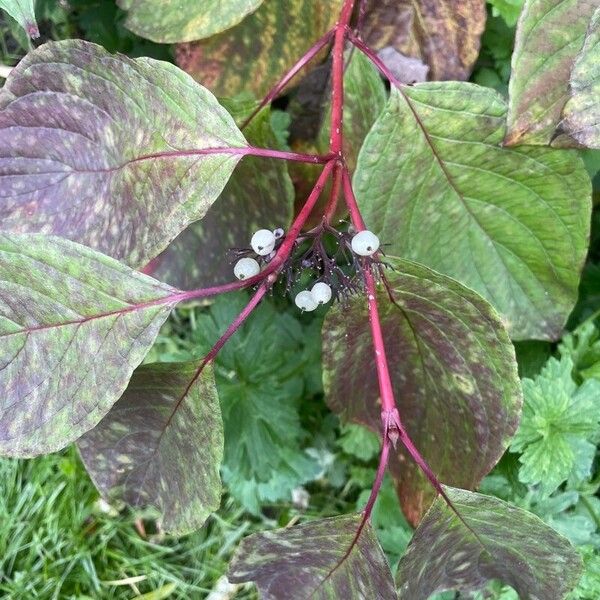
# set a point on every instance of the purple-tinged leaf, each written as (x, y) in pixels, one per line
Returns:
(80, 131)
(168, 21)
(315, 560)
(23, 11)
(161, 445)
(510, 223)
(492, 540)
(581, 114)
(258, 195)
(550, 35)
(453, 371)
(74, 324)
(253, 55)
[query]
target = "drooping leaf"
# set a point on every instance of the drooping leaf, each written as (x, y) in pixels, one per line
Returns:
(491, 540)
(312, 561)
(23, 11)
(510, 223)
(169, 21)
(254, 55)
(453, 371)
(74, 324)
(161, 445)
(259, 195)
(443, 33)
(581, 114)
(556, 432)
(550, 35)
(80, 131)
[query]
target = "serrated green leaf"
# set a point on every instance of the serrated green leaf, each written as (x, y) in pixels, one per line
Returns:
(254, 55)
(74, 324)
(558, 422)
(512, 224)
(315, 560)
(358, 441)
(161, 445)
(167, 21)
(79, 133)
(23, 11)
(490, 540)
(583, 348)
(509, 10)
(259, 195)
(453, 371)
(550, 35)
(581, 114)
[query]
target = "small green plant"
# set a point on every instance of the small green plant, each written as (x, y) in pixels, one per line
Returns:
(115, 171)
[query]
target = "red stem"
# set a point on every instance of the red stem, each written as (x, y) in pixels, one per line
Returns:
(336, 134)
(280, 85)
(336, 183)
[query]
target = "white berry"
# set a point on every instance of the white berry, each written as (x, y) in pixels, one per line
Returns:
(321, 292)
(263, 242)
(278, 233)
(245, 268)
(365, 243)
(306, 301)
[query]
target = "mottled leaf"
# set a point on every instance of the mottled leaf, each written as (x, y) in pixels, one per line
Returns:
(258, 195)
(79, 133)
(550, 35)
(581, 114)
(254, 55)
(171, 21)
(453, 372)
(161, 445)
(490, 540)
(74, 324)
(315, 560)
(445, 34)
(510, 223)
(23, 11)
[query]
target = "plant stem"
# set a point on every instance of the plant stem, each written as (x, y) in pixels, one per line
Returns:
(336, 182)
(336, 135)
(280, 85)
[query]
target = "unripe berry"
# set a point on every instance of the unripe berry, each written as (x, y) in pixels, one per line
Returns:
(321, 292)
(306, 301)
(365, 243)
(245, 268)
(263, 242)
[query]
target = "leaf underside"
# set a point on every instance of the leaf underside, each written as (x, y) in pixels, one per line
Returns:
(453, 372)
(23, 11)
(510, 223)
(79, 131)
(550, 35)
(445, 34)
(161, 445)
(494, 540)
(74, 324)
(254, 55)
(165, 21)
(311, 561)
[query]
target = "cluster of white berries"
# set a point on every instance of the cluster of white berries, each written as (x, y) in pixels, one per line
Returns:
(309, 300)
(263, 243)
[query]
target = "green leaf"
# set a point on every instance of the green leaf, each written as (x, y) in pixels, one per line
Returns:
(167, 21)
(559, 420)
(443, 33)
(490, 540)
(583, 348)
(581, 114)
(550, 35)
(106, 150)
(317, 560)
(358, 441)
(512, 224)
(453, 371)
(258, 195)
(509, 10)
(23, 11)
(254, 55)
(161, 445)
(74, 324)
